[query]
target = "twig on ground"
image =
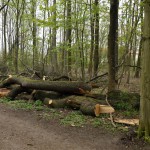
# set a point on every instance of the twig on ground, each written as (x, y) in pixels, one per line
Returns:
(111, 116)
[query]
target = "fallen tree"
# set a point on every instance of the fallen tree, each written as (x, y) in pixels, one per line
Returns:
(86, 105)
(4, 92)
(56, 94)
(17, 90)
(65, 87)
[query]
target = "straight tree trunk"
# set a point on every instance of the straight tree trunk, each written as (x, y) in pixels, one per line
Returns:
(54, 62)
(34, 32)
(16, 48)
(113, 45)
(144, 127)
(68, 35)
(64, 52)
(4, 20)
(82, 52)
(130, 42)
(90, 69)
(137, 71)
(96, 46)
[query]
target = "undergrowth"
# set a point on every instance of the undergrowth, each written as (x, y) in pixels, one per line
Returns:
(22, 104)
(66, 117)
(74, 118)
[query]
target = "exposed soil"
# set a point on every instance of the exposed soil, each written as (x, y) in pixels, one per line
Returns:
(25, 130)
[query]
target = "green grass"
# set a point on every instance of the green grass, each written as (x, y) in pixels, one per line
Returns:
(129, 113)
(96, 122)
(52, 114)
(123, 106)
(64, 116)
(4, 100)
(74, 118)
(22, 104)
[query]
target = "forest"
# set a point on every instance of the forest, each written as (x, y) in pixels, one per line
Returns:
(71, 47)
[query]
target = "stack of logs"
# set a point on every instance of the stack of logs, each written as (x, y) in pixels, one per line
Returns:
(56, 94)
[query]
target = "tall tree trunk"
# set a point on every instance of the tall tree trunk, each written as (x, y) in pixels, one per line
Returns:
(4, 21)
(64, 52)
(144, 127)
(54, 62)
(130, 42)
(16, 48)
(96, 46)
(43, 40)
(113, 45)
(137, 72)
(34, 31)
(90, 69)
(22, 33)
(68, 35)
(82, 52)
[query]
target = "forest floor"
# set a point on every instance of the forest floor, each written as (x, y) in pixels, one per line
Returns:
(27, 130)
(62, 129)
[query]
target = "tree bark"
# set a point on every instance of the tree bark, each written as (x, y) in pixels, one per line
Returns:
(65, 87)
(17, 90)
(54, 59)
(137, 72)
(68, 35)
(90, 68)
(34, 34)
(144, 127)
(113, 45)
(39, 94)
(96, 46)
(87, 106)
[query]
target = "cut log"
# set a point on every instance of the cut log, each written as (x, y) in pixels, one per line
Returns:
(17, 90)
(66, 87)
(41, 95)
(127, 121)
(106, 109)
(86, 105)
(4, 92)
(55, 103)
(73, 102)
(95, 109)
(91, 109)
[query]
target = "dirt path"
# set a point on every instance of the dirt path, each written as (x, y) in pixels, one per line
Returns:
(24, 130)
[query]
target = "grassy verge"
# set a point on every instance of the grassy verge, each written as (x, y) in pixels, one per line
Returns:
(22, 104)
(65, 117)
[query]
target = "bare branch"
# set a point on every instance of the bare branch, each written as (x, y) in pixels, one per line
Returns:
(2, 7)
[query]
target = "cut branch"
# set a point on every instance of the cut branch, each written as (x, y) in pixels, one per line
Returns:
(100, 76)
